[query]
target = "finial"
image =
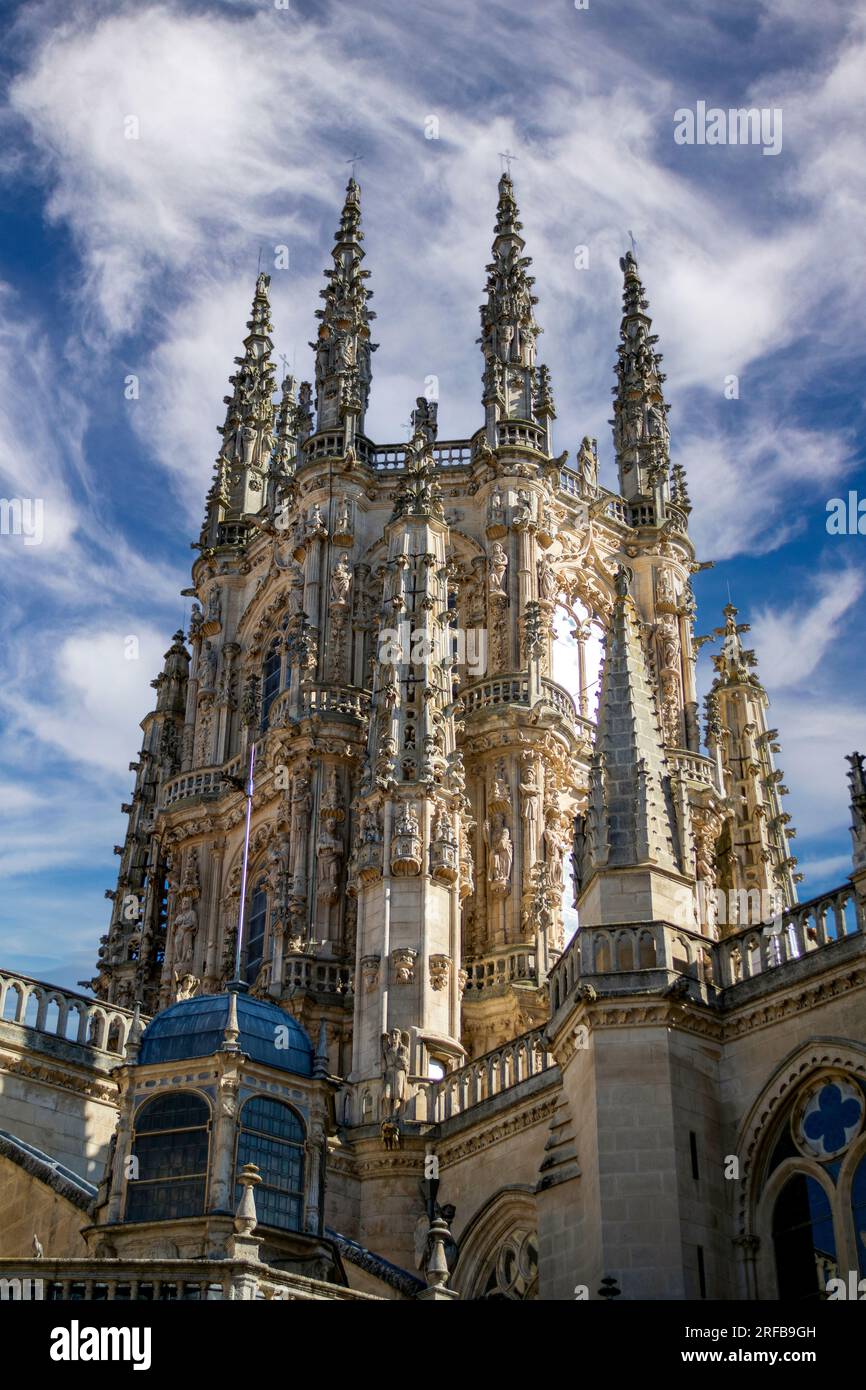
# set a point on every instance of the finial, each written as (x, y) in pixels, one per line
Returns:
(320, 1060)
(232, 1030)
(437, 1265)
(506, 156)
(246, 1217)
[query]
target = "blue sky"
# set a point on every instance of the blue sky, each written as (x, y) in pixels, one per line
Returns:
(121, 256)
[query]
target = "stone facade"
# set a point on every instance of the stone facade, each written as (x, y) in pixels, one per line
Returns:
(358, 754)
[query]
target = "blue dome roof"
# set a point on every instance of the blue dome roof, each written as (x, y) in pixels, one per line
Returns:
(196, 1028)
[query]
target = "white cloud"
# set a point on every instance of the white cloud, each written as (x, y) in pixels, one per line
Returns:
(794, 641)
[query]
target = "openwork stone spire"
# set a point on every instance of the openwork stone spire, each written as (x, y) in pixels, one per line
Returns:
(640, 430)
(857, 782)
(508, 326)
(631, 820)
(755, 852)
(248, 433)
(343, 348)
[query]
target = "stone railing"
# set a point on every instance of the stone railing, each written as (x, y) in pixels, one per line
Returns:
(801, 932)
(322, 977)
(156, 1281)
(204, 781)
(617, 510)
(521, 434)
(449, 453)
(572, 483)
(694, 767)
(335, 699)
(61, 1013)
(804, 929)
(233, 533)
(499, 690)
(487, 1076)
(493, 972)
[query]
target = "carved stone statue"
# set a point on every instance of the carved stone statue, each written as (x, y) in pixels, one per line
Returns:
(341, 581)
(497, 565)
(547, 585)
(395, 1056)
(185, 928)
(500, 854)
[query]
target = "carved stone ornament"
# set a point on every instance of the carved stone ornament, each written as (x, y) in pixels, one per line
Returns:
(403, 965)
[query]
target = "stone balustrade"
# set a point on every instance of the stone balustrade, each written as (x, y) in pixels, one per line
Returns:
(802, 930)
(63, 1014)
(693, 766)
(498, 971)
(161, 1280)
(447, 453)
(204, 781)
(335, 699)
(322, 977)
(500, 690)
(487, 1076)
(520, 434)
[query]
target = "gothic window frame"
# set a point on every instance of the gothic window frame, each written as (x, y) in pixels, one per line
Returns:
(253, 1152)
(275, 645)
(512, 1209)
(838, 1186)
(259, 887)
(192, 1183)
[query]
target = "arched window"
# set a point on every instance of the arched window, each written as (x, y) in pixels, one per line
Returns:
(803, 1239)
(272, 1137)
(257, 928)
(170, 1143)
(858, 1212)
(271, 672)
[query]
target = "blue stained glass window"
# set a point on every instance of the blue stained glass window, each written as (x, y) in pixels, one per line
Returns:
(858, 1212)
(257, 924)
(803, 1239)
(272, 1137)
(171, 1145)
(270, 680)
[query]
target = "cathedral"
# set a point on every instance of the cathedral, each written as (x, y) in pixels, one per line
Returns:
(342, 1041)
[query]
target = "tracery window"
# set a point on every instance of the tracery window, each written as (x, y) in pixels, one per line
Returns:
(170, 1143)
(271, 673)
(803, 1240)
(276, 672)
(257, 930)
(272, 1136)
(513, 1273)
(818, 1156)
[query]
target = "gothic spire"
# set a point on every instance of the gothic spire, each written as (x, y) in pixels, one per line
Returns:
(756, 853)
(242, 463)
(640, 430)
(508, 326)
(630, 821)
(170, 684)
(343, 348)
(857, 782)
